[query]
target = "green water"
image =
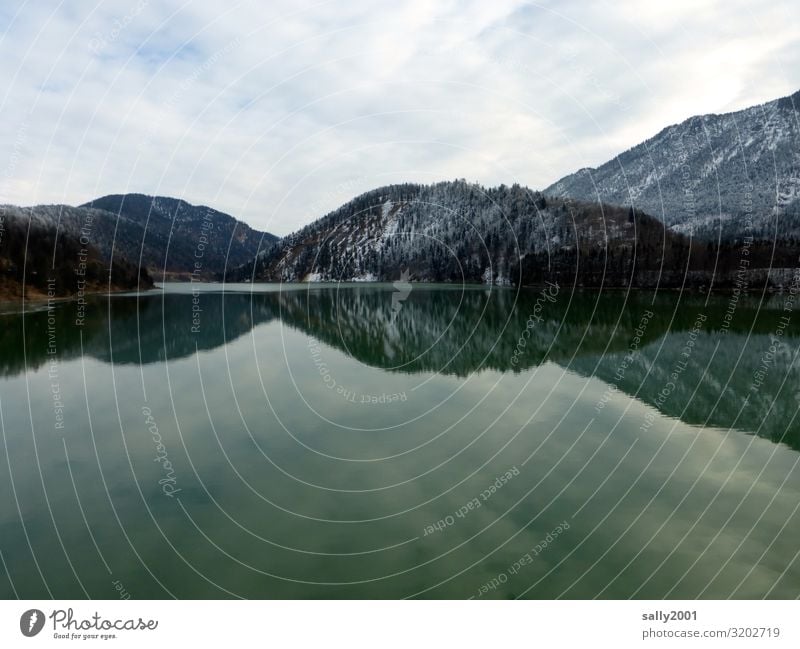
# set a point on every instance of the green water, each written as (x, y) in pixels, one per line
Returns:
(377, 441)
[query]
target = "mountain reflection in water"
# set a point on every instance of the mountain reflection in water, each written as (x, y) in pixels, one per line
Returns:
(741, 373)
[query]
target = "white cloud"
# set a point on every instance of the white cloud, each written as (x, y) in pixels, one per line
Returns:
(276, 114)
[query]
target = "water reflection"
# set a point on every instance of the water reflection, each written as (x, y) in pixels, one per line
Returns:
(742, 372)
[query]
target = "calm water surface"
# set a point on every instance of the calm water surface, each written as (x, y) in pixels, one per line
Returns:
(387, 441)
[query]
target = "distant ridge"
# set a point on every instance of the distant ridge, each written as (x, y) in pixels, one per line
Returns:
(179, 235)
(158, 233)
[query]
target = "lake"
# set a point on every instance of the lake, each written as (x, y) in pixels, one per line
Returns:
(392, 441)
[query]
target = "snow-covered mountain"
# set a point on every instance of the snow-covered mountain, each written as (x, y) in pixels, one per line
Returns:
(733, 175)
(452, 232)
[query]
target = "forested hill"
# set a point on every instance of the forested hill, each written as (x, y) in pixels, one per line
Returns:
(449, 231)
(40, 262)
(173, 234)
(158, 233)
(462, 232)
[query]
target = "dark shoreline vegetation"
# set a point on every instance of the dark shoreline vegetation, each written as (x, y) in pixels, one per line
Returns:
(37, 264)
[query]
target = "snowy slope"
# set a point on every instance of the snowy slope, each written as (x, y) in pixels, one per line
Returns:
(450, 231)
(735, 174)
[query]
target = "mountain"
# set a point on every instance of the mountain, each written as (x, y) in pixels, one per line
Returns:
(732, 175)
(172, 234)
(450, 231)
(39, 261)
(462, 232)
(157, 233)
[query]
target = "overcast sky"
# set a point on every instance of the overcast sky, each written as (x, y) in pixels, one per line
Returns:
(278, 111)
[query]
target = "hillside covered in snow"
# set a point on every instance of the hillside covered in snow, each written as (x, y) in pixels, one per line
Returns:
(460, 232)
(446, 232)
(715, 176)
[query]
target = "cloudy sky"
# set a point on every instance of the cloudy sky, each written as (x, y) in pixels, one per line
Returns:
(279, 111)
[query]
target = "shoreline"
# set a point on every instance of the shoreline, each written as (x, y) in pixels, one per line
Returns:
(717, 290)
(36, 300)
